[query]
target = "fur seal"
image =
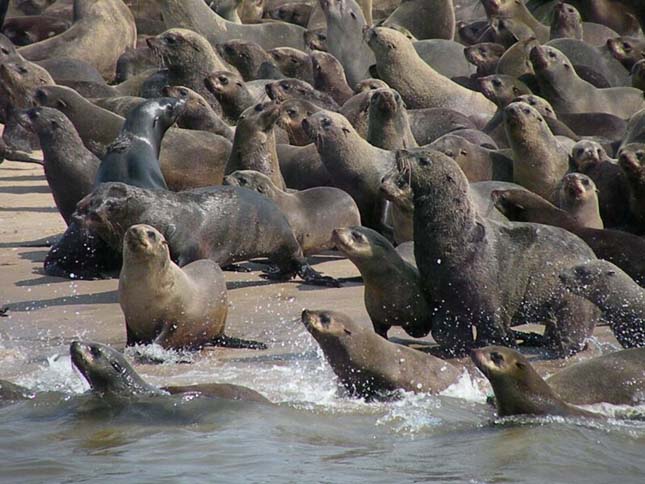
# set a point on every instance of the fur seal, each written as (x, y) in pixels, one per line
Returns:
(354, 165)
(133, 157)
(292, 63)
(577, 194)
(621, 300)
(617, 378)
(485, 56)
(393, 295)
(197, 113)
(345, 23)
(482, 273)
(370, 366)
(188, 158)
(622, 248)
(425, 19)
(188, 58)
(292, 113)
(254, 146)
(313, 213)
(567, 93)
(284, 89)
(329, 77)
(420, 85)
(302, 167)
(195, 15)
(205, 223)
(70, 168)
(590, 158)
(101, 32)
(110, 375)
(627, 50)
(638, 75)
(519, 390)
(163, 303)
(292, 12)
(539, 161)
(246, 57)
(389, 125)
(231, 92)
(631, 158)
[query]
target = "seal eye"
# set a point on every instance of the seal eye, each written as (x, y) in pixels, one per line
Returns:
(117, 367)
(291, 112)
(324, 320)
(223, 80)
(552, 55)
(22, 70)
(497, 358)
(627, 47)
(258, 108)
(95, 351)
(242, 181)
(425, 161)
(151, 234)
(5, 51)
(284, 86)
(326, 123)
(497, 83)
(170, 40)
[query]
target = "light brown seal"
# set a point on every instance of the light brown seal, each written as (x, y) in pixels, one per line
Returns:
(174, 307)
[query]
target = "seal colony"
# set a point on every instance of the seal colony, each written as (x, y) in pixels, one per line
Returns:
(363, 138)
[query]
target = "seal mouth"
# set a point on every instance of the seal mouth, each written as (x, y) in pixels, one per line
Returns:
(384, 101)
(339, 239)
(370, 35)
(275, 93)
(629, 162)
(80, 355)
(230, 180)
(574, 188)
(214, 84)
(25, 117)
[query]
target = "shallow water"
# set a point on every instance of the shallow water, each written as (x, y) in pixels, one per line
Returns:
(313, 434)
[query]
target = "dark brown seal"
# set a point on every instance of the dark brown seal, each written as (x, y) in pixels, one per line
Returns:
(370, 366)
(163, 303)
(393, 295)
(482, 273)
(206, 223)
(313, 213)
(70, 168)
(519, 390)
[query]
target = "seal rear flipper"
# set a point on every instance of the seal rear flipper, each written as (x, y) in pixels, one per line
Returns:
(232, 342)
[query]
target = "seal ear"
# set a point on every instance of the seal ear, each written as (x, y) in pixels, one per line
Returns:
(347, 331)
(61, 103)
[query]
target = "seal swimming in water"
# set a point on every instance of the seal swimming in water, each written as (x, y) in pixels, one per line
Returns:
(163, 303)
(110, 375)
(133, 158)
(519, 390)
(370, 366)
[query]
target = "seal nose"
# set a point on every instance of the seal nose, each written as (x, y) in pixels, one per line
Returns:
(306, 125)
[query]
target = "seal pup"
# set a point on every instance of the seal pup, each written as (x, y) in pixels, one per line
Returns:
(388, 122)
(285, 89)
(292, 63)
(519, 390)
(313, 213)
(420, 85)
(254, 146)
(578, 195)
(133, 157)
(485, 56)
(482, 273)
(246, 57)
(392, 295)
(621, 300)
(292, 113)
(70, 168)
(163, 303)
(329, 76)
(370, 366)
(111, 375)
(206, 223)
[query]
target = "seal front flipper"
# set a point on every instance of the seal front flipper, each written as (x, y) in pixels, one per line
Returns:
(306, 273)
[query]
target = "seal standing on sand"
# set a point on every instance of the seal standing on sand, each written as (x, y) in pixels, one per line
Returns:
(110, 375)
(369, 365)
(205, 223)
(163, 303)
(313, 213)
(133, 158)
(519, 390)
(393, 295)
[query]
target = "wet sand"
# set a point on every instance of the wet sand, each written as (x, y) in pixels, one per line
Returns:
(46, 313)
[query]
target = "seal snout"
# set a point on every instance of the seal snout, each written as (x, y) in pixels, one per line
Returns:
(539, 57)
